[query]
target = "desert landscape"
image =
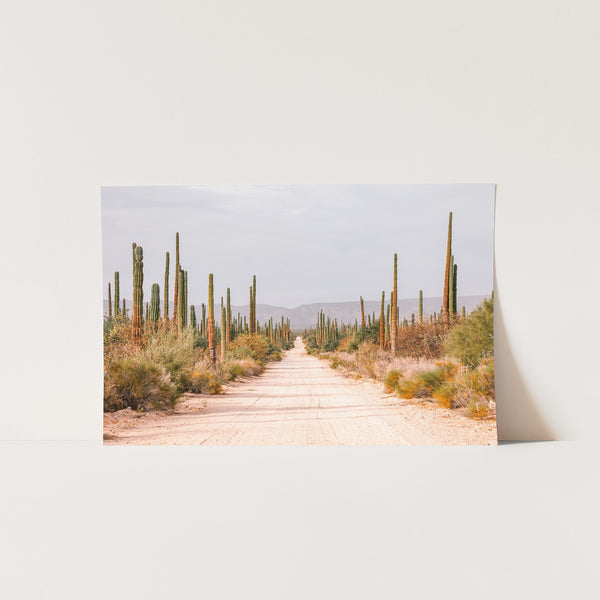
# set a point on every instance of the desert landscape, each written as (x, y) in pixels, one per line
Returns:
(219, 374)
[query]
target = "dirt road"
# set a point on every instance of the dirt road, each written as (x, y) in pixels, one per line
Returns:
(298, 401)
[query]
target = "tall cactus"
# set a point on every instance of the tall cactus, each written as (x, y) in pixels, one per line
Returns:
(154, 314)
(454, 290)
(394, 310)
(253, 319)
(446, 296)
(450, 285)
(117, 293)
(176, 286)
(133, 247)
(138, 295)
(193, 321)
(420, 306)
(166, 290)
(250, 312)
(124, 308)
(362, 312)
(203, 329)
(109, 302)
(382, 322)
(228, 318)
(180, 304)
(185, 298)
(211, 321)
(223, 331)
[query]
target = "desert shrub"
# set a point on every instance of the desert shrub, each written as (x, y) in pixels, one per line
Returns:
(343, 344)
(176, 353)
(392, 379)
(138, 383)
(255, 347)
(251, 367)
(485, 378)
(118, 337)
(478, 408)
(365, 335)
(285, 344)
(421, 340)
(408, 387)
(470, 389)
(313, 347)
(368, 360)
(422, 384)
(472, 340)
(335, 362)
(235, 369)
(243, 368)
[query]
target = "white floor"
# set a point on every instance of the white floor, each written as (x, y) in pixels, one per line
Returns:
(79, 520)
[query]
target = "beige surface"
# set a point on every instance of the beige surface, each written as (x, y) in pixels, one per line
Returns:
(299, 401)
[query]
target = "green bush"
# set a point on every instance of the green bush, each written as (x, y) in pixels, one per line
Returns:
(365, 334)
(392, 379)
(253, 346)
(175, 353)
(138, 383)
(472, 340)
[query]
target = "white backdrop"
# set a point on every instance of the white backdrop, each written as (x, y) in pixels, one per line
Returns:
(150, 93)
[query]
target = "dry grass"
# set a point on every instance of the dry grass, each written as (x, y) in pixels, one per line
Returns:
(169, 363)
(447, 382)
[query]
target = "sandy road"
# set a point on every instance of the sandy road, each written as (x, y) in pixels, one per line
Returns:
(298, 401)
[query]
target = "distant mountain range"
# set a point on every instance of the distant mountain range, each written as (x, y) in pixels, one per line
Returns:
(305, 315)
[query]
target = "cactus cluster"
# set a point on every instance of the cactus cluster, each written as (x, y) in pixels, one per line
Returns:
(389, 323)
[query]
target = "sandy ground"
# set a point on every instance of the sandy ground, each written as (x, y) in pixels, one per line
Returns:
(298, 401)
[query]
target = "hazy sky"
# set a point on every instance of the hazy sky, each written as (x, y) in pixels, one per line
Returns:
(305, 243)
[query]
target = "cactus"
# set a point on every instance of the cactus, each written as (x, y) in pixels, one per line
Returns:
(166, 290)
(250, 312)
(109, 302)
(193, 321)
(124, 308)
(394, 310)
(185, 298)
(154, 314)
(223, 331)
(211, 321)
(362, 311)
(253, 311)
(177, 267)
(382, 322)
(203, 329)
(180, 305)
(228, 318)
(454, 290)
(464, 312)
(138, 295)
(420, 306)
(450, 285)
(446, 295)
(117, 299)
